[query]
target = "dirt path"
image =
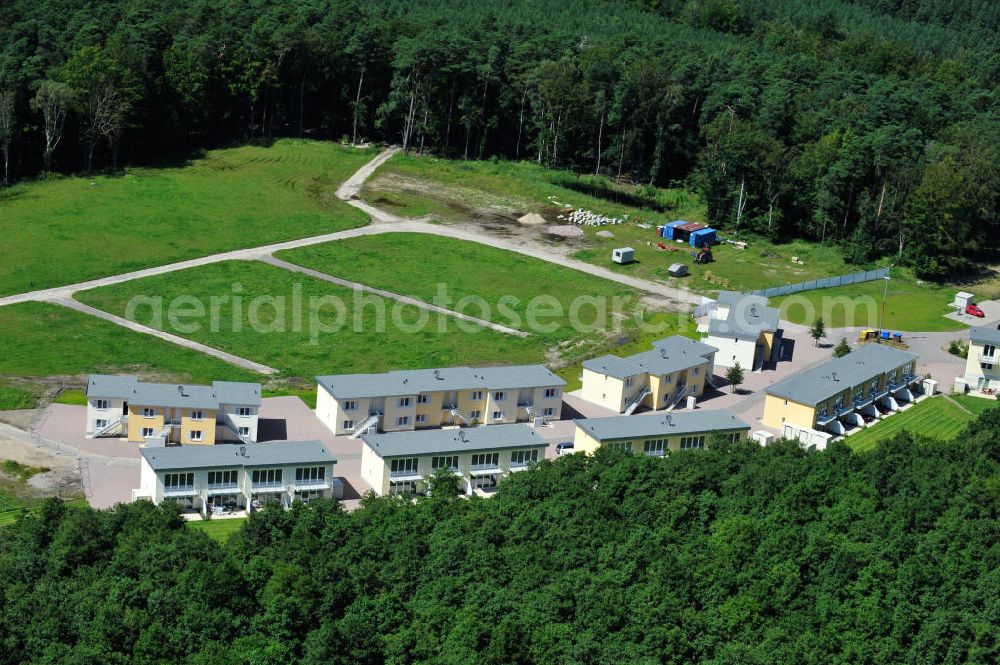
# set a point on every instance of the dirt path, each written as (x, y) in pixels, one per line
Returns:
(352, 185)
(179, 341)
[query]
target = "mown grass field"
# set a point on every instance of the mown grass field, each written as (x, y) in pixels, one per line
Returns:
(218, 530)
(349, 340)
(40, 339)
(425, 266)
(910, 305)
(936, 417)
(73, 229)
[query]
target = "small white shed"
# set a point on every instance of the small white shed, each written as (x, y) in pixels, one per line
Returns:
(962, 299)
(623, 255)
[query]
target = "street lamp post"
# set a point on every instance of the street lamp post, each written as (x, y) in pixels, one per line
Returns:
(885, 293)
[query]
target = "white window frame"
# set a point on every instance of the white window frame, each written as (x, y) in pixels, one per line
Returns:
(348, 424)
(449, 461)
(654, 447)
(523, 457)
(475, 413)
(476, 395)
(423, 399)
(421, 418)
(197, 415)
(265, 476)
(100, 423)
(402, 420)
(404, 465)
(550, 392)
(245, 411)
(486, 459)
(498, 415)
(624, 446)
(499, 396)
(176, 480)
(243, 431)
(351, 405)
(196, 435)
(403, 402)
(225, 477)
(101, 404)
(307, 473)
(549, 411)
(148, 433)
(693, 442)
(148, 412)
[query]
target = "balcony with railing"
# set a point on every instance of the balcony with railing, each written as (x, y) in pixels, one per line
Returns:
(311, 483)
(179, 490)
(267, 486)
(404, 475)
(989, 359)
(223, 488)
(484, 469)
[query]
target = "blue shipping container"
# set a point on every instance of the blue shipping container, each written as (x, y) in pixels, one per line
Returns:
(702, 236)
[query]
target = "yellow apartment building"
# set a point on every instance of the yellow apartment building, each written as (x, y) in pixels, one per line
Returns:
(354, 404)
(123, 406)
(675, 368)
(833, 396)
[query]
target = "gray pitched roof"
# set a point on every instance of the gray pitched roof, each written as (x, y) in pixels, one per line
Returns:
(680, 423)
(468, 439)
(173, 395)
(228, 455)
(985, 335)
(748, 316)
(671, 354)
(411, 382)
(818, 384)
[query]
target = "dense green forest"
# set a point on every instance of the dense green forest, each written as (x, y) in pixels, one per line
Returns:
(738, 554)
(870, 123)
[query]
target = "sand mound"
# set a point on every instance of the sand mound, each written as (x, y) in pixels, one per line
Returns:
(532, 219)
(566, 231)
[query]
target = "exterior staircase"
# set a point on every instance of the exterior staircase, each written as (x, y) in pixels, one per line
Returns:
(681, 394)
(633, 402)
(244, 438)
(113, 428)
(367, 425)
(458, 415)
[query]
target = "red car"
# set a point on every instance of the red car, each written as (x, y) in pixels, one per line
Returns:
(973, 310)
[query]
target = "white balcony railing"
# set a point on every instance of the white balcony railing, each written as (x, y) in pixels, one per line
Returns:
(264, 486)
(179, 490)
(312, 484)
(484, 469)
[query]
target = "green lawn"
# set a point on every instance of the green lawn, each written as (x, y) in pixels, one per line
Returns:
(422, 265)
(935, 417)
(40, 339)
(977, 405)
(356, 346)
(73, 229)
(219, 530)
(910, 305)
(74, 397)
(14, 397)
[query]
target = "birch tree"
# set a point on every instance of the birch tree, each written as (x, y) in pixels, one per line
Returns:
(6, 130)
(54, 100)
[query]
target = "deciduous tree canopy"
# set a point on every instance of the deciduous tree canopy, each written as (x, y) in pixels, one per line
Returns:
(735, 554)
(873, 124)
